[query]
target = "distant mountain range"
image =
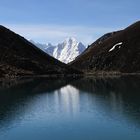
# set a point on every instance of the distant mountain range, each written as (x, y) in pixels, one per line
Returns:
(66, 51)
(19, 57)
(114, 52)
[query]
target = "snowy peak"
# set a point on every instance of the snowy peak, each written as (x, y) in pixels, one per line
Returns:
(70, 40)
(66, 51)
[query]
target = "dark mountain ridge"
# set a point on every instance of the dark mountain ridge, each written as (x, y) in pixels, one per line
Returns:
(119, 51)
(19, 57)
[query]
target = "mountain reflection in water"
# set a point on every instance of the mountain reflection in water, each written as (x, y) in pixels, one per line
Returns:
(84, 108)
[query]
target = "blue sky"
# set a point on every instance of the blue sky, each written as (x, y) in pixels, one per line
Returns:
(54, 20)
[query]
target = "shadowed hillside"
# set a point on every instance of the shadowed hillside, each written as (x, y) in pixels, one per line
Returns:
(117, 51)
(18, 57)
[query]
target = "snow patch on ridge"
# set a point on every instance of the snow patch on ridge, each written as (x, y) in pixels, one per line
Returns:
(116, 45)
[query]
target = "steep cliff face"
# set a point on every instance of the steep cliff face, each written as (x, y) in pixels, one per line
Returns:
(18, 57)
(119, 51)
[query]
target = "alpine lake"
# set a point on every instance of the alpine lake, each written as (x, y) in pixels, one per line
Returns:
(88, 108)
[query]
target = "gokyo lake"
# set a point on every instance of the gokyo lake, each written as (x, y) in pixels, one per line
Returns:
(70, 109)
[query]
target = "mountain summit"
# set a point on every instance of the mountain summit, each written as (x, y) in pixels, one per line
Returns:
(66, 51)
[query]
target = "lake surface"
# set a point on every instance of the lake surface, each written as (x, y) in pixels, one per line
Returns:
(70, 109)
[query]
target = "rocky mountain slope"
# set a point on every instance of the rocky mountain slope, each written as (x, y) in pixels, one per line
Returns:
(18, 57)
(118, 51)
(66, 51)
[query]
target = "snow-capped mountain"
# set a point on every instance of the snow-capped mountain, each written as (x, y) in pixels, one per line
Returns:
(66, 51)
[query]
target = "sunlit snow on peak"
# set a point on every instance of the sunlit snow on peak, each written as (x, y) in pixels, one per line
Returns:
(66, 51)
